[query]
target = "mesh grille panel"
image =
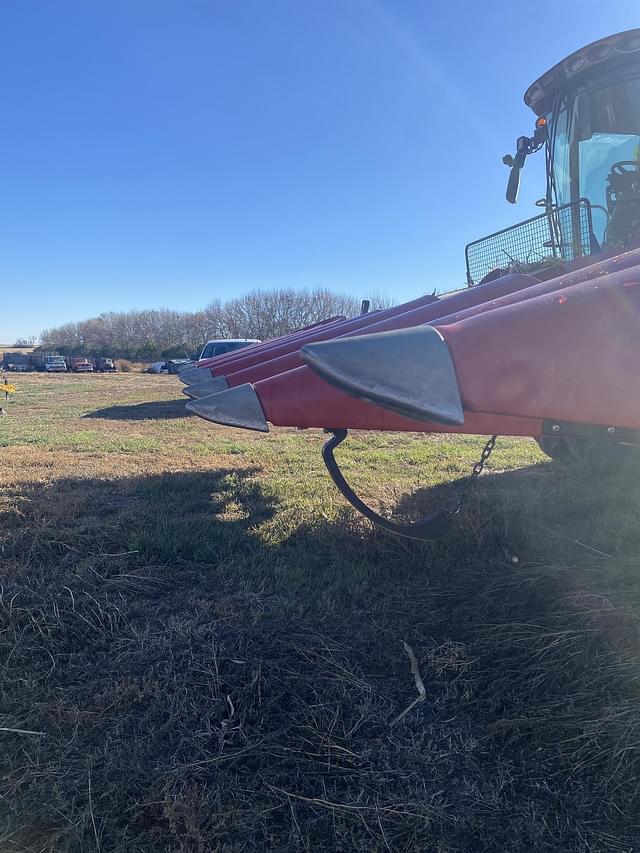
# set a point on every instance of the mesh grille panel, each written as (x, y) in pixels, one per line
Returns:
(566, 232)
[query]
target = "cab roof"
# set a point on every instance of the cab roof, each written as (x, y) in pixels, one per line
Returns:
(618, 49)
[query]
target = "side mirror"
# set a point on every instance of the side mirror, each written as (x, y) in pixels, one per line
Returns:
(524, 147)
(514, 183)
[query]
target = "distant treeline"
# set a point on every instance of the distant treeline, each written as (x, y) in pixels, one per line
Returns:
(162, 333)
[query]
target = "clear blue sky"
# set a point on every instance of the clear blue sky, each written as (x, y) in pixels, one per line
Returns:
(165, 152)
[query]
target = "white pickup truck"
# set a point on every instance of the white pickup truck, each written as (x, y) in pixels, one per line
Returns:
(223, 345)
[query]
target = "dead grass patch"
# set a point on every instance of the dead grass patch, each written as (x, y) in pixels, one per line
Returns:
(200, 652)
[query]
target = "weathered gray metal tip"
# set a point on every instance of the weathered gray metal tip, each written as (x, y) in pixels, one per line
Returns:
(193, 374)
(206, 388)
(409, 371)
(236, 407)
(186, 366)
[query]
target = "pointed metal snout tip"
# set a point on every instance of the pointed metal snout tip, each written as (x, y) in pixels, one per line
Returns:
(206, 388)
(236, 407)
(193, 374)
(409, 371)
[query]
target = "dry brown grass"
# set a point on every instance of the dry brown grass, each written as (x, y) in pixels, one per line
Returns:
(202, 650)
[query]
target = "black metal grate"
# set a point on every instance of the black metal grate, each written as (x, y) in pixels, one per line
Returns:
(565, 232)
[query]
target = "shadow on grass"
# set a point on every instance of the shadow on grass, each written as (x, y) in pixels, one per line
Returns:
(155, 410)
(207, 674)
(542, 506)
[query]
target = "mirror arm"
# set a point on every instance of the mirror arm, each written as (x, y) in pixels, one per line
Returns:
(524, 146)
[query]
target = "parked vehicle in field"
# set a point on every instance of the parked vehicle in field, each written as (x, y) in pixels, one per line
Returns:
(174, 364)
(105, 365)
(16, 361)
(49, 362)
(224, 345)
(79, 364)
(157, 367)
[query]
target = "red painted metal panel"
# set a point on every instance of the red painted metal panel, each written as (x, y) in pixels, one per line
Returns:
(300, 398)
(573, 354)
(627, 261)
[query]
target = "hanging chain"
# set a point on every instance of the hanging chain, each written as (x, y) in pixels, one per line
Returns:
(477, 469)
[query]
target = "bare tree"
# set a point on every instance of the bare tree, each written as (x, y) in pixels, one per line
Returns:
(259, 314)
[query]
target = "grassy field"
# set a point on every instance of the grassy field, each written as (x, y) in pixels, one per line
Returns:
(201, 646)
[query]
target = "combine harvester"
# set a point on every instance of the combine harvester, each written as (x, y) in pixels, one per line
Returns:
(545, 340)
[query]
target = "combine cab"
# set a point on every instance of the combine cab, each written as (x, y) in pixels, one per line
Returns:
(544, 342)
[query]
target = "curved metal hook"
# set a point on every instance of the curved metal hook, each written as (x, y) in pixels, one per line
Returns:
(434, 526)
